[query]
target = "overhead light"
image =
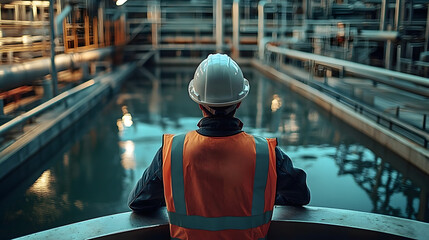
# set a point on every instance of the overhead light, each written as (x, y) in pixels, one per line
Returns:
(120, 2)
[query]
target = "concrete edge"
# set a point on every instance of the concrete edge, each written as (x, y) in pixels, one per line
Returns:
(129, 221)
(413, 153)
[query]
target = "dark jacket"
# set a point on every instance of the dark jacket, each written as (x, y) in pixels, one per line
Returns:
(292, 188)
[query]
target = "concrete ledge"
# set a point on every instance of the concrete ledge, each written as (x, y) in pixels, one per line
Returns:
(288, 222)
(405, 148)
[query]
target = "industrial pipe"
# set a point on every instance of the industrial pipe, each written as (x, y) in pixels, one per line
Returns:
(378, 35)
(24, 39)
(60, 18)
(107, 80)
(15, 75)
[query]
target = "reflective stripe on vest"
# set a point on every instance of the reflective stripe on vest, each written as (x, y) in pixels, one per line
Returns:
(258, 217)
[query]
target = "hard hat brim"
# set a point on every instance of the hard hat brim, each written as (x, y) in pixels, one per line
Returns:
(195, 97)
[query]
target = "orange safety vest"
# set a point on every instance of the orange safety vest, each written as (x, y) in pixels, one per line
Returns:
(219, 187)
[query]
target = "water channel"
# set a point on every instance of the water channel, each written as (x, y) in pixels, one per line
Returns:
(92, 167)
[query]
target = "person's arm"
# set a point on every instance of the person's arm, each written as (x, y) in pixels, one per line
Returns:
(148, 194)
(291, 182)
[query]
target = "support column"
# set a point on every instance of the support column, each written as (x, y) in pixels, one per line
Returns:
(214, 19)
(10, 57)
(398, 58)
(155, 17)
(410, 11)
(101, 23)
(261, 29)
(423, 205)
(34, 6)
(328, 9)
(219, 26)
(124, 32)
(427, 30)
(383, 14)
(53, 68)
(399, 10)
(86, 28)
(47, 89)
(388, 52)
(307, 9)
(260, 96)
(17, 13)
(1, 107)
(284, 20)
(236, 29)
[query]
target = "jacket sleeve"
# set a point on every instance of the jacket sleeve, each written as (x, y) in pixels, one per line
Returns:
(291, 182)
(148, 194)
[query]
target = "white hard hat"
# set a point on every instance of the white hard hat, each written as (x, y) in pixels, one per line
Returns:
(218, 82)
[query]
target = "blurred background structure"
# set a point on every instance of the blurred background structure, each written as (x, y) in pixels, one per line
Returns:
(390, 34)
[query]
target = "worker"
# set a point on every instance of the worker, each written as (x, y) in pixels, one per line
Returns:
(219, 182)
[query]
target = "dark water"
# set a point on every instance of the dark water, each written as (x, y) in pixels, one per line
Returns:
(93, 167)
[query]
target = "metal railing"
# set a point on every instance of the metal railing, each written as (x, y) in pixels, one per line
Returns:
(61, 98)
(409, 131)
(351, 67)
(404, 129)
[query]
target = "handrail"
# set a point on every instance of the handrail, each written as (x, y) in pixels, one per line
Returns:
(44, 106)
(380, 116)
(363, 108)
(355, 68)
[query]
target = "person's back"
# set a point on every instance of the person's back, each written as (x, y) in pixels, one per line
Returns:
(224, 187)
(218, 181)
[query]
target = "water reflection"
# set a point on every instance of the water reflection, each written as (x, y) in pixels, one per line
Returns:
(127, 120)
(276, 103)
(76, 177)
(42, 186)
(385, 186)
(127, 157)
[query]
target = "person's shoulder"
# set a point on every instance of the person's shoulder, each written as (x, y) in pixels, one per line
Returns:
(271, 139)
(171, 135)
